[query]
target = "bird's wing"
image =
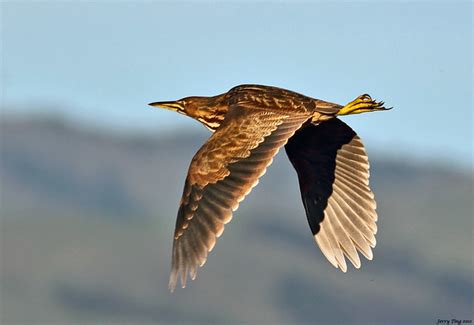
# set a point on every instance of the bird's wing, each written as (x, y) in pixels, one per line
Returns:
(333, 172)
(221, 174)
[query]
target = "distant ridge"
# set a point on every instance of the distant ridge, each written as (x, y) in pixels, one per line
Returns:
(54, 166)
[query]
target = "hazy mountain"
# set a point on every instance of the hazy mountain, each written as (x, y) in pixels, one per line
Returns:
(87, 218)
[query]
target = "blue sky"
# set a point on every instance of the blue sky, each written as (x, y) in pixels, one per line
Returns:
(101, 62)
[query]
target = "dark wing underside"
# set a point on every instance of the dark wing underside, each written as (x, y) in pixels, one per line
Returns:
(221, 174)
(333, 172)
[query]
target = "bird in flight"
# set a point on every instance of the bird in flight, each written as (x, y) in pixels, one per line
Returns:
(250, 123)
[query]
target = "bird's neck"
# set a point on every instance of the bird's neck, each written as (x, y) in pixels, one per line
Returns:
(210, 111)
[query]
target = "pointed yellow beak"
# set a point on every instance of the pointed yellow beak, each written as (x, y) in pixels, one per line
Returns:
(172, 105)
(362, 104)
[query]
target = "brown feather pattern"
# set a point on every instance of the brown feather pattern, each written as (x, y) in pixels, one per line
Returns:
(221, 174)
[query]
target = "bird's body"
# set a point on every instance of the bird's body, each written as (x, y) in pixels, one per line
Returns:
(214, 109)
(250, 124)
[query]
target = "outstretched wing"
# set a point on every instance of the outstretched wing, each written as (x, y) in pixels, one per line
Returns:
(221, 174)
(333, 172)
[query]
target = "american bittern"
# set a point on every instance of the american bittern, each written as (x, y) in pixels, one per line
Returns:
(250, 123)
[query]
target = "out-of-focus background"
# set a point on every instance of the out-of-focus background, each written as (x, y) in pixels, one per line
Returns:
(91, 177)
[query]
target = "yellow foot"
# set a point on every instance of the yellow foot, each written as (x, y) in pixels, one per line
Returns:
(363, 103)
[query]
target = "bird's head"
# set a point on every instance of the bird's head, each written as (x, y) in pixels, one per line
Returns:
(208, 110)
(187, 106)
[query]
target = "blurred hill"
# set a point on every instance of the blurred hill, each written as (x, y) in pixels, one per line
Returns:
(87, 219)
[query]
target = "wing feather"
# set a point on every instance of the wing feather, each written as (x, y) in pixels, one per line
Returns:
(344, 236)
(221, 174)
(334, 242)
(333, 171)
(352, 229)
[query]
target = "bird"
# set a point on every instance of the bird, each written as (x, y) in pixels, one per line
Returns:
(250, 123)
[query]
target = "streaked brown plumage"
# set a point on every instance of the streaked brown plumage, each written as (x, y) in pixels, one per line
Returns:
(250, 124)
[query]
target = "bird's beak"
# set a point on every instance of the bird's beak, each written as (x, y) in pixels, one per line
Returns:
(176, 106)
(362, 104)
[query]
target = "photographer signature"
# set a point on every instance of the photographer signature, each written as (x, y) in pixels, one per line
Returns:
(453, 321)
